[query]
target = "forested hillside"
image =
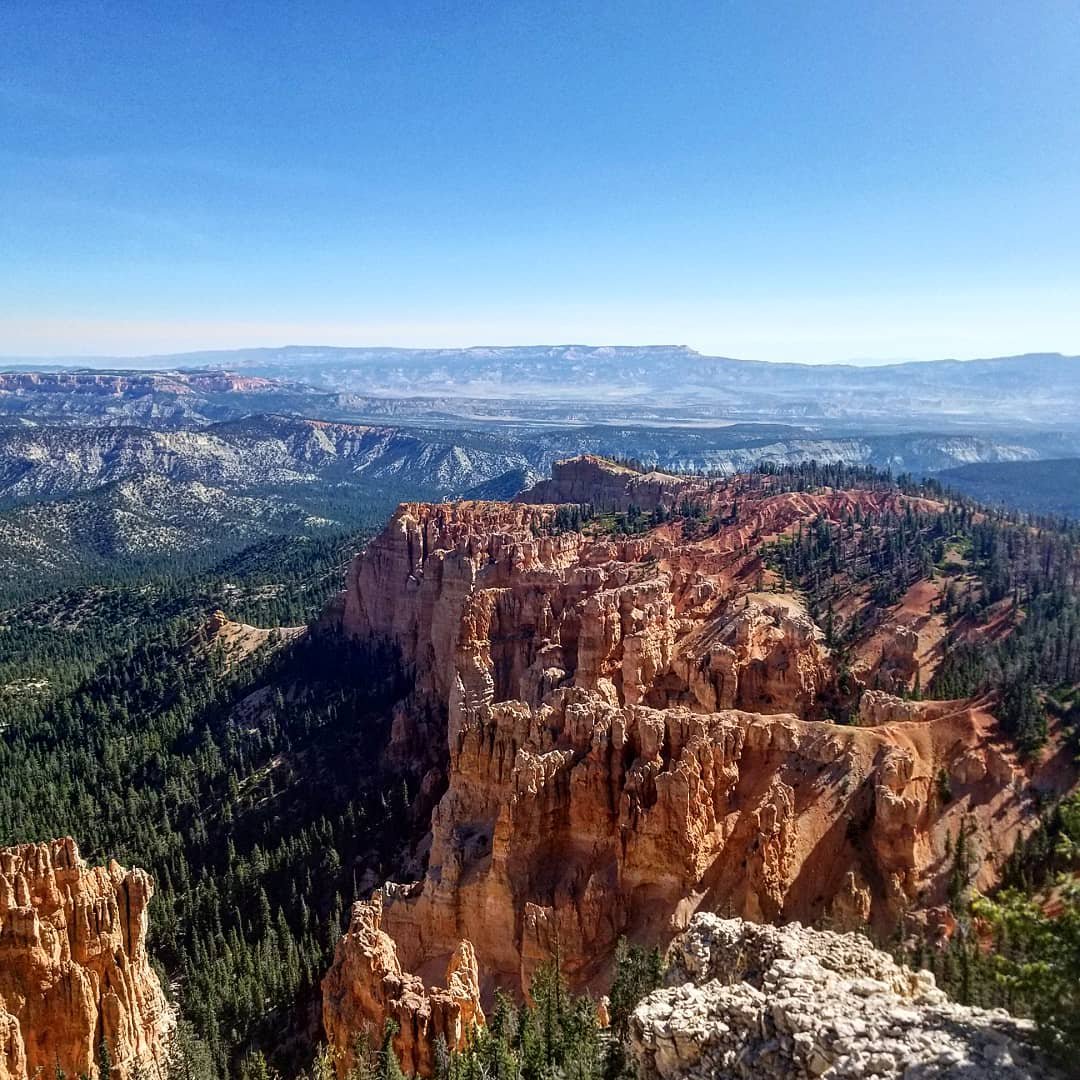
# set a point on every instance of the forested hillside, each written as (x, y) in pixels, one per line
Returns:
(255, 809)
(1039, 487)
(254, 790)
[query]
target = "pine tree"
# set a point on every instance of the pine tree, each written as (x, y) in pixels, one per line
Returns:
(105, 1064)
(390, 1067)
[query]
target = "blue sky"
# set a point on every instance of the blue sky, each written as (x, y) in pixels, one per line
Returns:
(780, 181)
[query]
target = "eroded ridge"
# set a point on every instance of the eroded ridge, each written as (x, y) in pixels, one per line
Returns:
(636, 730)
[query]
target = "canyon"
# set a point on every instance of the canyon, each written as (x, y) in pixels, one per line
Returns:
(74, 971)
(613, 732)
(614, 706)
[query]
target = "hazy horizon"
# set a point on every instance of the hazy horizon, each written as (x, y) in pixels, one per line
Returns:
(74, 359)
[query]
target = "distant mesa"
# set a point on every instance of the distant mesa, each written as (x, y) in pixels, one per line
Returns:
(1038, 391)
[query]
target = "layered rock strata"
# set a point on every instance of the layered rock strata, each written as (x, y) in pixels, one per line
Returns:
(748, 1002)
(604, 484)
(366, 988)
(74, 971)
(633, 733)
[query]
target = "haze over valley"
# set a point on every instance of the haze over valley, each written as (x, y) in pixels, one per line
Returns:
(294, 441)
(644, 383)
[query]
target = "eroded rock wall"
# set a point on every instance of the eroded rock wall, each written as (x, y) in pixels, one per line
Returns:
(367, 987)
(634, 734)
(606, 485)
(73, 967)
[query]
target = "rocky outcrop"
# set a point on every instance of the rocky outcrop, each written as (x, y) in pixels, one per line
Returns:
(877, 707)
(768, 655)
(479, 593)
(899, 646)
(746, 1001)
(633, 733)
(74, 970)
(607, 485)
(366, 988)
(238, 641)
(584, 820)
(12, 1050)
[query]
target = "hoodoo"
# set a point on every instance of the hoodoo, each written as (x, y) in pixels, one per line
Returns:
(367, 987)
(639, 724)
(74, 972)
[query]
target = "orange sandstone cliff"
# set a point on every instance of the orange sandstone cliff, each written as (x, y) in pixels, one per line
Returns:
(366, 987)
(634, 732)
(74, 971)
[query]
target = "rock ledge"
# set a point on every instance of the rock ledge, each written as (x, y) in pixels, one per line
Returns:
(766, 1002)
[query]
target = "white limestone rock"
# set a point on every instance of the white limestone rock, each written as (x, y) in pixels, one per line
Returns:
(766, 1003)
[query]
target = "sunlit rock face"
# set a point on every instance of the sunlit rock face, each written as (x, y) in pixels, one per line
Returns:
(747, 1002)
(366, 987)
(74, 971)
(634, 731)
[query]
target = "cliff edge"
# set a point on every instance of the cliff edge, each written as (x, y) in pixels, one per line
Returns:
(74, 971)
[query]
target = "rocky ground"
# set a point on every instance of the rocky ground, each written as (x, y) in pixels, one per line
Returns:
(759, 1002)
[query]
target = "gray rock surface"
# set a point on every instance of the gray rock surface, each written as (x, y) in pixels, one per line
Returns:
(763, 1002)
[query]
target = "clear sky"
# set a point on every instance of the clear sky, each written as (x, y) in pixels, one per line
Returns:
(783, 181)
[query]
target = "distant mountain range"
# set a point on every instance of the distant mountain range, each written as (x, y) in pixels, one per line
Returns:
(663, 382)
(213, 451)
(76, 499)
(87, 498)
(160, 399)
(279, 452)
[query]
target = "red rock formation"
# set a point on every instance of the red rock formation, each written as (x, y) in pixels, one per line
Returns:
(366, 987)
(73, 966)
(876, 707)
(633, 736)
(606, 485)
(12, 1051)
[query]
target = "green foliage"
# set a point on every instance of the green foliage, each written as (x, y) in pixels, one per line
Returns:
(389, 1066)
(943, 784)
(52, 642)
(1050, 850)
(637, 973)
(571, 517)
(1019, 949)
(152, 759)
(105, 1063)
(1041, 487)
(961, 871)
(255, 1067)
(189, 1057)
(1038, 570)
(1021, 713)
(555, 1035)
(1040, 969)
(79, 541)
